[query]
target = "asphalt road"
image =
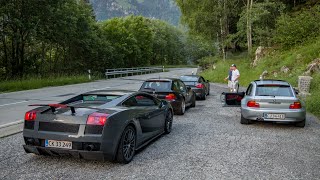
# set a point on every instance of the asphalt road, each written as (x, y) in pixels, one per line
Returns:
(14, 105)
(208, 142)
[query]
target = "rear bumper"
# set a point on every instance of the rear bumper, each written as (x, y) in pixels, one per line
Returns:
(176, 105)
(81, 154)
(199, 92)
(258, 114)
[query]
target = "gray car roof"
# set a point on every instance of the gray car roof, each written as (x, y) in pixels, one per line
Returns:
(271, 81)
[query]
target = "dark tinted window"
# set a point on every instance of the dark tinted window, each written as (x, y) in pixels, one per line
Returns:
(106, 98)
(140, 100)
(189, 78)
(274, 90)
(175, 86)
(157, 85)
(249, 90)
(182, 87)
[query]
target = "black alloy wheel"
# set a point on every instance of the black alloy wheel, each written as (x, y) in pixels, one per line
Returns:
(126, 149)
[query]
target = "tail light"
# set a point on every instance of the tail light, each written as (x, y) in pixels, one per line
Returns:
(97, 119)
(170, 97)
(30, 116)
(295, 105)
(253, 104)
(199, 85)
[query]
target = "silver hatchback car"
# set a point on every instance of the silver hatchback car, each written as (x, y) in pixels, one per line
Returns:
(272, 100)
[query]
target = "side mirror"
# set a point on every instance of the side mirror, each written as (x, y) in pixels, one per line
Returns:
(188, 88)
(162, 104)
(296, 91)
(208, 81)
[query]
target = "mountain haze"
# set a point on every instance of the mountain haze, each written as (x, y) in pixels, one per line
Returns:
(166, 10)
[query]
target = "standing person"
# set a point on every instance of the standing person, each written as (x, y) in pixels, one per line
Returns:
(229, 79)
(235, 78)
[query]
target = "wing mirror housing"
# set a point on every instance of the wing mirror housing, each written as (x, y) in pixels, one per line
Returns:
(189, 88)
(162, 104)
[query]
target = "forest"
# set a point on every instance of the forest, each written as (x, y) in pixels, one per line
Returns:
(63, 37)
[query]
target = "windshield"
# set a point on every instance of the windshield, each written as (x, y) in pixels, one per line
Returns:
(274, 90)
(157, 85)
(189, 78)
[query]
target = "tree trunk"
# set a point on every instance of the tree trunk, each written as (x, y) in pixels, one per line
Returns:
(5, 62)
(249, 26)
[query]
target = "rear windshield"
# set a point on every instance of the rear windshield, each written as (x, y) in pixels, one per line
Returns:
(274, 90)
(157, 85)
(103, 98)
(189, 78)
(93, 101)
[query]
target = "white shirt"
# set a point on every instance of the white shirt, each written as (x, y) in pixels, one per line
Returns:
(235, 74)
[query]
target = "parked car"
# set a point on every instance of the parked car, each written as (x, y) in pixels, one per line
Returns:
(198, 84)
(98, 125)
(172, 90)
(272, 100)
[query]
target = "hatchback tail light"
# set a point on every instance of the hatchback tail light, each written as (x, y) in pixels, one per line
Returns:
(170, 97)
(295, 105)
(199, 85)
(97, 119)
(253, 104)
(30, 116)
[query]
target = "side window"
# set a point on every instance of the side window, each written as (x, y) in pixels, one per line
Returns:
(130, 102)
(182, 87)
(175, 86)
(249, 90)
(145, 100)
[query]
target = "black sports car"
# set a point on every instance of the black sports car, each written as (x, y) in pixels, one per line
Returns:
(98, 125)
(172, 90)
(198, 84)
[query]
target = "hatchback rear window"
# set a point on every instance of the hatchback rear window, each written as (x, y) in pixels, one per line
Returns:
(189, 78)
(157, 85)
(274, 90)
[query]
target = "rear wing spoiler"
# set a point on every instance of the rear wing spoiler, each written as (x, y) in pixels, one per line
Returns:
(53, 107)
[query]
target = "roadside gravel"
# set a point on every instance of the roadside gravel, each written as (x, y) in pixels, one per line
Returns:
(208, 142)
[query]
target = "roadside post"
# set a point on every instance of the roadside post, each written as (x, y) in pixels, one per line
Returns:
(89, 71)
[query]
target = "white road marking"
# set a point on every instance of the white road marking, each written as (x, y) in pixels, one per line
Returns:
(11, 124)
(101, 88)
(12, 103)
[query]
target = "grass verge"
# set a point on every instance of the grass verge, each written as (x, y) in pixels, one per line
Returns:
(35, 83)
(295, 59)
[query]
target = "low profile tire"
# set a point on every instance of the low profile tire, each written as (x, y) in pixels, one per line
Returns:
(182, 108)
(244, 120)
(301, 124)
(127, 145)
(168, 122)
(193, 101)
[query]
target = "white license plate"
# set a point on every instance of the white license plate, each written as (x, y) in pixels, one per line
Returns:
(58, 144)
(274, 116)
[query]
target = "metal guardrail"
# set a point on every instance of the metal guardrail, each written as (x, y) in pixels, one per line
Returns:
(132, 71)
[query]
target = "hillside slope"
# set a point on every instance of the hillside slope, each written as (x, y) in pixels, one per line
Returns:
(295, 59)
(166, 10)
